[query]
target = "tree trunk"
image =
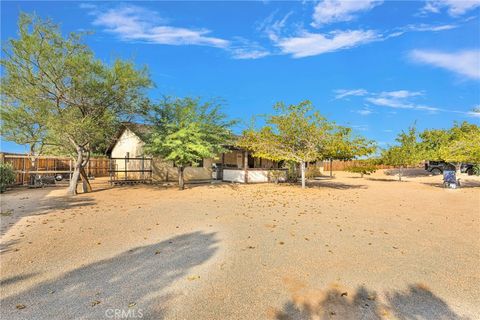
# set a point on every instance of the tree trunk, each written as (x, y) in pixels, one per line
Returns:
(86, 187)
(72, 189)
(302, 169)
(400, 173)
(331, 168)
(361, 175)
(458, 166)
(181, 182)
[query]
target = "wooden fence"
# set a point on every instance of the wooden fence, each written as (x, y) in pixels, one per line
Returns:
(45, 165)
(339, 165)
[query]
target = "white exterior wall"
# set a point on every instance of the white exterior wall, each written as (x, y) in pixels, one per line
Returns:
(254, 176)
(263, 176)
(162, 170)
(128, 142)
(258, 176)
(233, 175)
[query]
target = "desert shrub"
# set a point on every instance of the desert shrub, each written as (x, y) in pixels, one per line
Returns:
(7, 176)
(362, 168)
(476, 169)
(312, 172)
(292, 173)
(275, 175)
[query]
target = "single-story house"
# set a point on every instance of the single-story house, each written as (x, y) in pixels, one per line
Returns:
(235, 165)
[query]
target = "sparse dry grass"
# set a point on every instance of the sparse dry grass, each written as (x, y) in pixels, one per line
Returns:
(407, 249)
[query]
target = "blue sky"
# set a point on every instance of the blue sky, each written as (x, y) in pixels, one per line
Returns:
(377, 66)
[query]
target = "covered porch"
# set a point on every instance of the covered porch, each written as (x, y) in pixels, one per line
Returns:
(240, 166)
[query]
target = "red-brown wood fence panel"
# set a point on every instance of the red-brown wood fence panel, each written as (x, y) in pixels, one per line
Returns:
(50, 165)
(339, 165)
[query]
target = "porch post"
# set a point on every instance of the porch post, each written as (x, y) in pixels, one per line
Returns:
(245, 165)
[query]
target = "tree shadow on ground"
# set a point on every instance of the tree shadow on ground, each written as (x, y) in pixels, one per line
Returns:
(386, 180)
(415, 303)
(333, 304)
(464, 184)
(135, 280)
(334, 185)
(410, 172)
(418, 302)
(15, 279)
(23, 204)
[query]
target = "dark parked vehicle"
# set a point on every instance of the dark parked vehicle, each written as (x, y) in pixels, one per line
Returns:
(437, 167)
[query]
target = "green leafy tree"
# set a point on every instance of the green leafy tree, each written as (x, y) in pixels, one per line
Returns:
(294, 133)
(23, 125)
(7, 176)
(461, 143)
(407, 153)
(363, 168)
(185, 131)
(476, 169)
(343, 145)
(71, 99)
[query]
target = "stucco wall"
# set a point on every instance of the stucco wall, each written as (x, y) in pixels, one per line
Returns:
(162, 170)
(234, 175)
(128, 142)
(254, 175)
(165, 171)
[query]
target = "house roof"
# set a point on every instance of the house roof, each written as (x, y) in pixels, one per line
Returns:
(140, 129)
(144, 130)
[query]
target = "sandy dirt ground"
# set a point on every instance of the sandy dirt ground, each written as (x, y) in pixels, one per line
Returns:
(345, 248)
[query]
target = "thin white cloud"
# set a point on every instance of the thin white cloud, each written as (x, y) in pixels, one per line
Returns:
(342, 93)
(400, 94)
(246, 49)
(360, 127)
(399, 104)
(293, 39)
(427, 27)
(272, 28)
(364, 112)
(310, 44)
(465, 63)
(475, 112)
(133, 23)
(397, 99)
(331, 11)
(455, 8)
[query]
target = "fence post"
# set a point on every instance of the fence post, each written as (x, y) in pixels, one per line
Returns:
(110, 171)
(143, 168)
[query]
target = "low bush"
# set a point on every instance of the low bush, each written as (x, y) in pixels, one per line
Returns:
(476, 169)
(362, 168)
(312, 172)
(7, 176)
(275, 175)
